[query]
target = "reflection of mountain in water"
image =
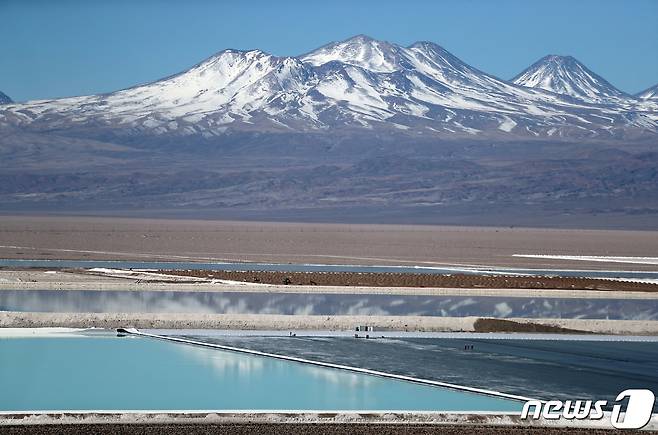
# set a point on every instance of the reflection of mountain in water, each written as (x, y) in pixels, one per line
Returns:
(223, 363)
(325, 304)
(533, 368)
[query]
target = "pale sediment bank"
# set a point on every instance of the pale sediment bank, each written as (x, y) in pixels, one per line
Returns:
(126, 285)
(51, 332)
(10, 319)
(229, 321)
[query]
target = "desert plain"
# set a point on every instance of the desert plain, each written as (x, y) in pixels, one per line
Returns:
(109, 238)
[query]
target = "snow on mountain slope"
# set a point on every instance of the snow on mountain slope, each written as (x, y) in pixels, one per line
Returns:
(230, 79)
(4, 99)
(567, 76)
(230, 84)
(360, 82)
(649, 94)
(361, 51)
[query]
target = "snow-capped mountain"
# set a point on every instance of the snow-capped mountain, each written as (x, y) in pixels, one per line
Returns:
(4, 99)
(361, 51)
(360, 85)
(649, 94)
(359, 129)
(567, 76)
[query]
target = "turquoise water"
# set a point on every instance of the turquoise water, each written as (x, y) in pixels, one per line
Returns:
(111, 373)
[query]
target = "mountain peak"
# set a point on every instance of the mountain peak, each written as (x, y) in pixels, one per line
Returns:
(360, 50)
(234, 53)
(430, 49)
(567, 76)
(435, 52)
(559, 58)
(4, 99)
(232, 61)
(361, 38)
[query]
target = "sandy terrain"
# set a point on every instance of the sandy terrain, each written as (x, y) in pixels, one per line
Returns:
(11, 319)
(189, 240)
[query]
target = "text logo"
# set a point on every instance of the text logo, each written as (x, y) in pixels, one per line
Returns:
(635, 415)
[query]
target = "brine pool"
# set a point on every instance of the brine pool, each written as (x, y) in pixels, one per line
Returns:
(145, 301)
(106, 372)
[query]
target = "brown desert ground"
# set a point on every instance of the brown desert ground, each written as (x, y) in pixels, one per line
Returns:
(417, 280)
(330, 422)
(293, 429)
(60, 237)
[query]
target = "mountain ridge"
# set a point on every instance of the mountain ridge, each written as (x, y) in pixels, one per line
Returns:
(357, 84)
(375, 132)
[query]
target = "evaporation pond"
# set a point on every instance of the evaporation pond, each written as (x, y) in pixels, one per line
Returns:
(128, 373)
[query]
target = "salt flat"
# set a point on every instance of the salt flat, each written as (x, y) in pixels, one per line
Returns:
(12, 319)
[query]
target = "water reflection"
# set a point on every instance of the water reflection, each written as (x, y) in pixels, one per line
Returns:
(229, 364)
(532, 368)
(222, 363)
(324, 304)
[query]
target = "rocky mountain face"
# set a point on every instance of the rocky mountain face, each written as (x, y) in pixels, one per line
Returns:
(357, 129)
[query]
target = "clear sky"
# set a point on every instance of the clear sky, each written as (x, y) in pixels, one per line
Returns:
(73, 47)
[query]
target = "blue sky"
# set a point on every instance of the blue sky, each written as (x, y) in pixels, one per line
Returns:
(73, 47)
